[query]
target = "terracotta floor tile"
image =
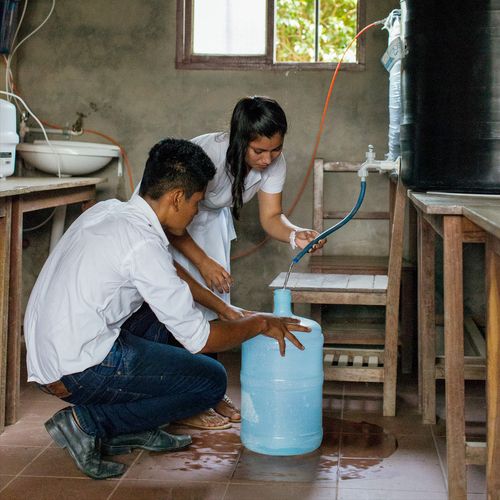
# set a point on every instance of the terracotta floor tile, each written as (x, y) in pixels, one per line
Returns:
(354, 494)
(474, 431)
(56, 462)
(368, 405)
(175, 490)
(25, 433)
(399, 425)
(363, 389)
(332, 404)
(39, 411)
(223, 441)
(4, 480)
(40, 488)
(14, 458)
(476, 479)
(32, 392)
(274, 491)
(184, 466)
(217, 466)
(335, 389)
(391, 474)
(302, 468)
(370, 445)
(331, 423)
(417, 448)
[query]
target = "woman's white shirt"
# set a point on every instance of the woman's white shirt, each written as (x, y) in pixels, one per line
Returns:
(218, 194)
(212, 228)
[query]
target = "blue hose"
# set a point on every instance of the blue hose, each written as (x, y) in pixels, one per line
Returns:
(339, 224)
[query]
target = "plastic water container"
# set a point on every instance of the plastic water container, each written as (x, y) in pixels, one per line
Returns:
(8, 138)
(281, 397)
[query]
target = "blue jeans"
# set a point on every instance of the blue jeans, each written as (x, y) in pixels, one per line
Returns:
(146, 381)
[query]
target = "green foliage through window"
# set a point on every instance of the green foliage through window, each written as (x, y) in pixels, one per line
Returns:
(304, 35)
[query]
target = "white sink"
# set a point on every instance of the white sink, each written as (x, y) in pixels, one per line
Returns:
(75, 158)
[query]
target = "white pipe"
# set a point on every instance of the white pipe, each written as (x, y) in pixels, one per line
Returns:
(23, 130)
(57, 226)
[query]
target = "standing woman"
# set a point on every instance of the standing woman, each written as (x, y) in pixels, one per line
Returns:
(248, 161)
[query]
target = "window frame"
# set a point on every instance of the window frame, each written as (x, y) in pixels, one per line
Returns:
(185, 59)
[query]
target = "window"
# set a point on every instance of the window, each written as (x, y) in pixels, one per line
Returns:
(274, 34)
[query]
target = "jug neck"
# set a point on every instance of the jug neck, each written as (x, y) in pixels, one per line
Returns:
(283, 302)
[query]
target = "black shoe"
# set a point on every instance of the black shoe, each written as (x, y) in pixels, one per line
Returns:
(83, 448)
(156, 440)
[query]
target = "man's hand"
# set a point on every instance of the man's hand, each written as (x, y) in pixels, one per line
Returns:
(304, 237)
(215, 276)
(280, 328)
(232, 312)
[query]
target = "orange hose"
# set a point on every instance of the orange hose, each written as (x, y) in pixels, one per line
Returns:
(123, 152)
(316, 145)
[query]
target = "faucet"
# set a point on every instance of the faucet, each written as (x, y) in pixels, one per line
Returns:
(371, 163)
(78, 125)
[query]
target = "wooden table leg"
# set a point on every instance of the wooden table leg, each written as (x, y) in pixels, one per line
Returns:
(15, 314)
(426, 320)
(5, 225)
(454, 357)
(493, 368)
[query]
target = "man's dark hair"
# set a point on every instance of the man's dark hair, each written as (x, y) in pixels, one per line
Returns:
(176, 164)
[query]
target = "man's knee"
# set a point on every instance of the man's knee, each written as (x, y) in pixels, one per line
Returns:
(218, 378)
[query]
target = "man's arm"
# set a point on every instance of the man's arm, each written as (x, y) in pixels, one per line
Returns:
(225, 335)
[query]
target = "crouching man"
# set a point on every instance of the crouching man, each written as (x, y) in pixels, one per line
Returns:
(108, 307)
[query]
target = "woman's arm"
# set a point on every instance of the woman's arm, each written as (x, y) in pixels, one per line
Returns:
(276, 225)
(205, 297)
(215, 276)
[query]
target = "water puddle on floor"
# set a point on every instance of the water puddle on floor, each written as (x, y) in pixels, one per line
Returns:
(362, 446)
(355, 449)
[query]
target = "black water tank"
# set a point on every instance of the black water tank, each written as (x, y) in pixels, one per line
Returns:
(450, 128)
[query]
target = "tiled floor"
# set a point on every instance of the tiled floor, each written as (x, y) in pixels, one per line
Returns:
(382, 458)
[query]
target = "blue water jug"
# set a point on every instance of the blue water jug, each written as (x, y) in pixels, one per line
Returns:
(281, 397)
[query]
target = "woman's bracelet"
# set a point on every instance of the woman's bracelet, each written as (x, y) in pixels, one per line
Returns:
(291, 238)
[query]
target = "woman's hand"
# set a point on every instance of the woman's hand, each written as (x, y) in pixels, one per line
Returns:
(280, 328)
(215, 276)
(305, 236)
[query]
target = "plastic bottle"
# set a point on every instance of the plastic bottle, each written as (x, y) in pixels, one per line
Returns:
(281, 397)
(8, 138)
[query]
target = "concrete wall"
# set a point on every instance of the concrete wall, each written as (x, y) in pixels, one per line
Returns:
(115, 62)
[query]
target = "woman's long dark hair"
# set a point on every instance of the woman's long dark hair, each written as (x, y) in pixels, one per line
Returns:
(252, 117)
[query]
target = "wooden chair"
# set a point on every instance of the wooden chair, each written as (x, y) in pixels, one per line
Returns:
(360, 264)
(366, 364)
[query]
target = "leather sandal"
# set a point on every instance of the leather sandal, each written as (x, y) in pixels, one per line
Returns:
(228, 409)
(208, 420)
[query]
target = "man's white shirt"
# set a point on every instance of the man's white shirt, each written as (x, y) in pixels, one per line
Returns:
(114, 257)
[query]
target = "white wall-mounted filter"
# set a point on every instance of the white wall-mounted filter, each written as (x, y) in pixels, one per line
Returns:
(8, 138)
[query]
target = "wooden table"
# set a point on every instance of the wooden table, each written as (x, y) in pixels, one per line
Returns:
(19, 195)
(488, 218)
(458, 220)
